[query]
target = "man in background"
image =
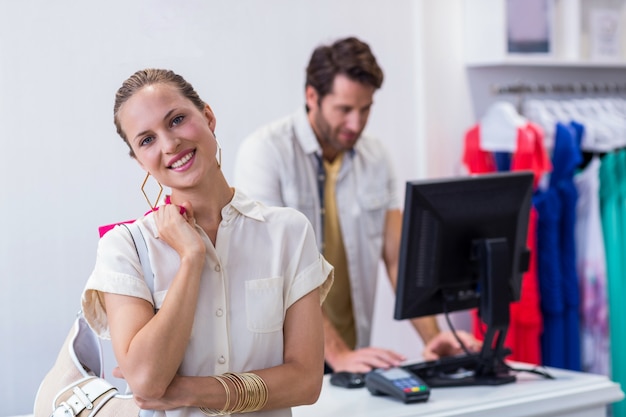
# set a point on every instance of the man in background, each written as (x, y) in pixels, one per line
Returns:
(318, 161)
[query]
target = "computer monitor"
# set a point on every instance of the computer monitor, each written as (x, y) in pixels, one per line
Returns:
(463, 246)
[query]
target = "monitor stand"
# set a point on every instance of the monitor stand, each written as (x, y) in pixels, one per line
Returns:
(465, 378)
(495, 296)
(486, 367)
(463, 370)
(490, 369)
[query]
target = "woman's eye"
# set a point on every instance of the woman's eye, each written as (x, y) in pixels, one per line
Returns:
(146, 140)
(177, 120)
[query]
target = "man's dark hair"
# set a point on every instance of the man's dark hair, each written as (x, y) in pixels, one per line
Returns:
(350, 57)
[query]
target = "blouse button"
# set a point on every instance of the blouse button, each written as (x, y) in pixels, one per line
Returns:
(219, 312)
(221, 360)
(217, 268)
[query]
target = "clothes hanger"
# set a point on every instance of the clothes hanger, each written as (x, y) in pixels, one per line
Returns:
(555, 107)
(499, 127)
(536, 111)
(604, 129)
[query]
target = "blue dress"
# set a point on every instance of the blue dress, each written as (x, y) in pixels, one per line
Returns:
(558, 278)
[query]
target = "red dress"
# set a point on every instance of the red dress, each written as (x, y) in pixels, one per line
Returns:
(523, 337)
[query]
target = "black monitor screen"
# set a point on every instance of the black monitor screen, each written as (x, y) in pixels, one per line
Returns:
(439, 269)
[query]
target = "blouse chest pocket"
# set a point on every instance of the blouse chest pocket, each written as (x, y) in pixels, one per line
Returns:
(264, 305)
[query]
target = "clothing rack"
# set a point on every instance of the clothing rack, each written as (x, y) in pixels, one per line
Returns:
(558, 88)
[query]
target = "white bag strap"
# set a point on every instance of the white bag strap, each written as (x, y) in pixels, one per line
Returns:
(144, 259)
(142, 251)
(84, 397)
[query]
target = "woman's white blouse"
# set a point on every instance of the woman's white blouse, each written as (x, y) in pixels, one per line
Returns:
(264, 260)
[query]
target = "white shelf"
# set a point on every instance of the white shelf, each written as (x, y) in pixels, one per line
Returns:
(510, 61)
(486, 37)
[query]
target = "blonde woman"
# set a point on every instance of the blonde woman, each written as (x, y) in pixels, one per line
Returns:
(236, 323)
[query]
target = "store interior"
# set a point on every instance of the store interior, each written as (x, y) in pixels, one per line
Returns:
(448, 66)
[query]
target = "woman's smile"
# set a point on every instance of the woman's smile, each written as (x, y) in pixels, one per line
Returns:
(180, 164)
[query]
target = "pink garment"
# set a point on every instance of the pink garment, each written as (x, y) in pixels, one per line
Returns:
(103, 229)
(523, 337)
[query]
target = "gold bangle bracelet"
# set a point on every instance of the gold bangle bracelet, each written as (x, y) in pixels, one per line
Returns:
(251, 389)
(242, 395)
(227, 390)
(224, 411)
(262, 389)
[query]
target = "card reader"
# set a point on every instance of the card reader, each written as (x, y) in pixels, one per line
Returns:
(398, 383)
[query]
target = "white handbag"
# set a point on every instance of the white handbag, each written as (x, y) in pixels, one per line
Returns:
(75, 386)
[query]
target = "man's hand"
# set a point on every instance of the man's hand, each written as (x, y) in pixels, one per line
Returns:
(364, 360)
(445, 344)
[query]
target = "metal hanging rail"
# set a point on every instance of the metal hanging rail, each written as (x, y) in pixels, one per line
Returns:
(558, 88)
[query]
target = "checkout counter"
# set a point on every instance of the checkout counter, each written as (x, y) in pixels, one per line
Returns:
(572, 394)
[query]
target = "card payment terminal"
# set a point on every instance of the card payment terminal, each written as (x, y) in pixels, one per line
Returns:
(398, 383)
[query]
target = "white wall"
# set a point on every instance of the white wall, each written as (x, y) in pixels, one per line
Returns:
(64, 171)
(445, 113)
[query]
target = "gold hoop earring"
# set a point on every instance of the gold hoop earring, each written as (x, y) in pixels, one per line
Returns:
(143, 185)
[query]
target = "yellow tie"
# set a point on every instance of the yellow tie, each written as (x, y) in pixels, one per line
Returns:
(338, 304)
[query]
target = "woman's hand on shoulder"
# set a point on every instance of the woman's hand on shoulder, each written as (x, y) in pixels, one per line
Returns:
(179, 231)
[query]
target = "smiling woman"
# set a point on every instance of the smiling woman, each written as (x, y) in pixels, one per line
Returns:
(234, 332)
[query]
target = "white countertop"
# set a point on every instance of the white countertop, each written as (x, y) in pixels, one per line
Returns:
(571, 393)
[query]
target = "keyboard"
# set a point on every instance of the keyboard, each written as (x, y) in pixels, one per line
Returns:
(445, 365)
(457, 371)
